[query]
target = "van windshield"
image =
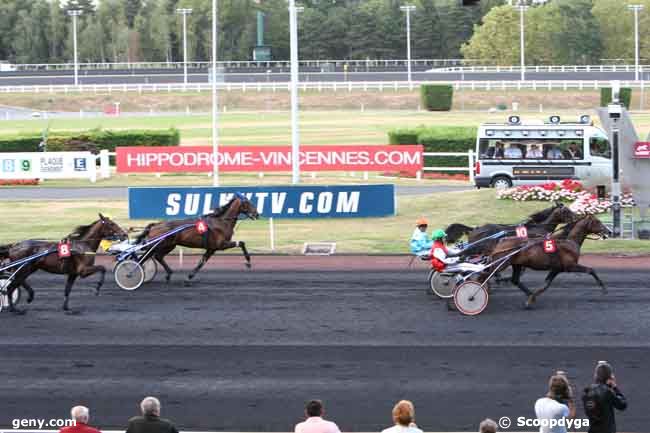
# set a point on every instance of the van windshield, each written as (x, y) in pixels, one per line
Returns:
(599, 145)
(532, 148)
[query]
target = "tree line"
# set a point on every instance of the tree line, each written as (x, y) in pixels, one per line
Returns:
(40, 31)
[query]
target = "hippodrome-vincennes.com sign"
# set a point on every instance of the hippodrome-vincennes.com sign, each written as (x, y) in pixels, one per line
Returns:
(199, 159)
(353, 201)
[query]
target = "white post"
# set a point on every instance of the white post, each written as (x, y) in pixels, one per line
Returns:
(74, 13)
(215, 111)
(522, 46)
(272, 233)
(295, 132)
(470, 158)
(408, 9)
(185, 12)
(104, 164)
(636, 9)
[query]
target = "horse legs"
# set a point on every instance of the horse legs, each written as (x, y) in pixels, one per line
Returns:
(160, 258)
(68, 287)
(516, 279)
(547, 283)
(204, 259)
(90, 270)
(10, 294)
(586, 270)
(30, 292)
(242, 245)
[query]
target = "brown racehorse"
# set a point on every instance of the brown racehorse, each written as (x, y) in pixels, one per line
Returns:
(221, 227)
(84, 242)
(564, 259)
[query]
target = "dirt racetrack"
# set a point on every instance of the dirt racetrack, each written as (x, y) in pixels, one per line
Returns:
(243, 350)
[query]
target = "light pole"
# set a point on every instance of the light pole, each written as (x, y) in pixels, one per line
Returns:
(74, 13)
(521, 7)
(636, 9)
(295, 132)
(408, 9)
(215, 110)
(185, 12)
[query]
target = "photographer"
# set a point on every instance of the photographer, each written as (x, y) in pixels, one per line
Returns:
(556, 405)
(601, 398)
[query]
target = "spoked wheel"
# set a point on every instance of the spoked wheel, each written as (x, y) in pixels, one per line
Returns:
(150, 270)
(129, 275)
(471, 298)
(442, 284)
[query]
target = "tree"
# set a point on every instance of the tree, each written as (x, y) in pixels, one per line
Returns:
(495, 38)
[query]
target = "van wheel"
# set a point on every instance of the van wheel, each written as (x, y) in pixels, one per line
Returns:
(500, 182)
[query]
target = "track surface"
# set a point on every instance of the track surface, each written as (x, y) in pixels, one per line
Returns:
(243, 350)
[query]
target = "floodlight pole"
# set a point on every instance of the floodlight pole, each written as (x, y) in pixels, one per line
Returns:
(522, 46)
(215, 110)
(74, 13)
(408, 9)
(636, 9)
(184, 12)
(295, 131)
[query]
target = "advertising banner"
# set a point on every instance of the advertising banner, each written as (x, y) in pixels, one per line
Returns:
(354, 201)
(642, 150)
(198, 159)
(48, 165)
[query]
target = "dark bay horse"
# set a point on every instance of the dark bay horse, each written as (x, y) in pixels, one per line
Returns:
(84, 242)
(565, 259)
(221, 227)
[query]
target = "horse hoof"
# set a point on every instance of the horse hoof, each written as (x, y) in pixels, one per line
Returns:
(528, 305)
(248, 266)
(30, 299)
(450, 306)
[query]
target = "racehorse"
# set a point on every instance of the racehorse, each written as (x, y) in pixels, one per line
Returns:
(564, 259)
(220, 229)
(545, 217)
(84, 242)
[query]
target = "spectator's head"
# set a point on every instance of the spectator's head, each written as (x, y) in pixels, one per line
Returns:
(558, 388)
(404, 413)
(499, 144)
(487, 426)
(150, 406)
(80, 414)
(603, 372)
(314, 408)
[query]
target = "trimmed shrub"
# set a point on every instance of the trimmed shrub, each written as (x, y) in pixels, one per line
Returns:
(436, 97)
(93, 141)
(405, 135)
(625, 96)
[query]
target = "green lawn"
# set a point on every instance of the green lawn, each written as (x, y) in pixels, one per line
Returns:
(54, 219)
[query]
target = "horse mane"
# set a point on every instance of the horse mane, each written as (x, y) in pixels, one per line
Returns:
(456, 231)
(540, 216)
(222, 210)
(81, 231)
(564, 232)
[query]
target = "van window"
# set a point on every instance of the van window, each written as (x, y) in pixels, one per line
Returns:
(599, 145)
(531, 148)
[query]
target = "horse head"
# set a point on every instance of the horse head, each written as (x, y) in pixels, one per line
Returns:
(110, 230)
(246, 206)
(594, 226)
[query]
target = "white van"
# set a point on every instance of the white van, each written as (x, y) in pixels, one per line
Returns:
(516, 153)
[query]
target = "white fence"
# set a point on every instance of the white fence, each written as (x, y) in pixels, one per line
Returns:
(541, 68)
(348, 86)
(469, 168)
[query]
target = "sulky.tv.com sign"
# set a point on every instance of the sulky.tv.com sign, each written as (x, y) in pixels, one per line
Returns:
(199, 159)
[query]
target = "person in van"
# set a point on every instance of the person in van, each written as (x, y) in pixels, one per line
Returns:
(574, 151)
(513, 152)
(554, 152)
(496, 151)
(534, 152)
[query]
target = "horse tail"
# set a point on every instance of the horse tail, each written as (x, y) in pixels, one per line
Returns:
(456, 231)
(142, 236)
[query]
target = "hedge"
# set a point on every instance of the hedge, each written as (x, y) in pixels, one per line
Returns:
(438, 139)
(625, 96)
(93, 141)
(436, 97)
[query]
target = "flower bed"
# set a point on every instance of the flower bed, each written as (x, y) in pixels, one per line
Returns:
(582, 201)
(15, 182)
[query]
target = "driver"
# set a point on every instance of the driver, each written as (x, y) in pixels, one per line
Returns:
(441, 255)
(420, 243)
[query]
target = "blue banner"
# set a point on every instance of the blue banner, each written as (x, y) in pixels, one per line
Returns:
(353, 201)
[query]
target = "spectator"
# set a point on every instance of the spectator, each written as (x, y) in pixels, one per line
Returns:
(534, 152)
(404, 419)
(554, 152)
(315, 423)
(574, 152)
(487, 426)
(513, 152)
(495, 152)
(601, 398)
(557, 404)
(80, 415)
(150, 421)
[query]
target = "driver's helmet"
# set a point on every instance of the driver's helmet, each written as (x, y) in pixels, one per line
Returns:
(438, 235)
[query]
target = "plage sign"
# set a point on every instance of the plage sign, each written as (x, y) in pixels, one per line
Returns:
(353, 201)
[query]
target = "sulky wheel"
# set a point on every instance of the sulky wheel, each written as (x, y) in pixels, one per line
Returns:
(471, 298)
(150, 270)
(129, 275)
(443, 284)
(4, 300)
